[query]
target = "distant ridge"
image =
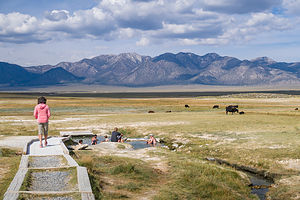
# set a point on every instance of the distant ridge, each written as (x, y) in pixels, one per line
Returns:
(131, 69)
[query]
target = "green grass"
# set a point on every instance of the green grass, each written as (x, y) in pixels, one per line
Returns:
(130, 177)
(194, 179)
(9, 163)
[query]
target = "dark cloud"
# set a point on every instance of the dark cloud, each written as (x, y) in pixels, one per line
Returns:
(142, 23)
(240, 6)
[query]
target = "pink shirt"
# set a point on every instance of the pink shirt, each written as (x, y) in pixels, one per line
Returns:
(42, 113)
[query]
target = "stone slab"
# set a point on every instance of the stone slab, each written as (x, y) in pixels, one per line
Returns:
(76, 133)
(53, 148)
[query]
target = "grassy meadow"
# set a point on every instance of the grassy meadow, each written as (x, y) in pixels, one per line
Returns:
(266, 137)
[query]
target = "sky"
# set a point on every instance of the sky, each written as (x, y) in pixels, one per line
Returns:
(39, 32)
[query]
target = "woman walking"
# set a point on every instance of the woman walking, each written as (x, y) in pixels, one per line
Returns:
(42, 114)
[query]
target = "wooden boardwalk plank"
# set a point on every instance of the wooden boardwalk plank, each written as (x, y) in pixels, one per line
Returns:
(87, 196)
(16, 183)
(11, 196)
(71, 161)
(24, 161)
(83, 180)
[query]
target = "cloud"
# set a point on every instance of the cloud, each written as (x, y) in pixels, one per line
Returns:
(57, 15)
(240, 6)
(93, 23)
(143, 42)
(244, 30)
(19, 28)
(190, 22)
(292, 6)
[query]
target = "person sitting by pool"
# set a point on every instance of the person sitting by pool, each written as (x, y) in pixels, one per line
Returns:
(105, 138)
(120, 138)
(151, 140)
(81, 146)
(115, 135)
(94, 140)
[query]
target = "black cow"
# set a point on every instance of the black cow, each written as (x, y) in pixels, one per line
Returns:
(216, 106)
(187, 106)
(242, 113)
(151, 111)
(232, 109)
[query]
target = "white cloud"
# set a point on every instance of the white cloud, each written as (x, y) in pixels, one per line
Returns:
(93, 23)
(17, 23)
(143, 42)
(20, 28)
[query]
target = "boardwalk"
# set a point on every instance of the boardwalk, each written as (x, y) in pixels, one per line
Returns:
(51, 170)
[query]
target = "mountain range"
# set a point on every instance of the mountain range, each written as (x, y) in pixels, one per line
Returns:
(131, 69)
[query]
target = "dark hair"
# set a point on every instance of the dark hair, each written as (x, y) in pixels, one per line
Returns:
(42, 100)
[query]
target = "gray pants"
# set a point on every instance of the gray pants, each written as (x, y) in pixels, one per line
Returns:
(43, 128)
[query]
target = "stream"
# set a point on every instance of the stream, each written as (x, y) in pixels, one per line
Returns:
(259, 184)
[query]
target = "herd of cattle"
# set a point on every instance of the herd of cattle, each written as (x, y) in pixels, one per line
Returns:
(230, 108)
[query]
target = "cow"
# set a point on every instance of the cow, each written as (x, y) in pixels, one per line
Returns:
(296, 108)
(168, 111)
(187, 106)
(242, 112)
(232, 109)
(151, 111)
(216, 106)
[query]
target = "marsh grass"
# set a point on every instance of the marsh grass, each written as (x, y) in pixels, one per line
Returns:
(199, 180)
